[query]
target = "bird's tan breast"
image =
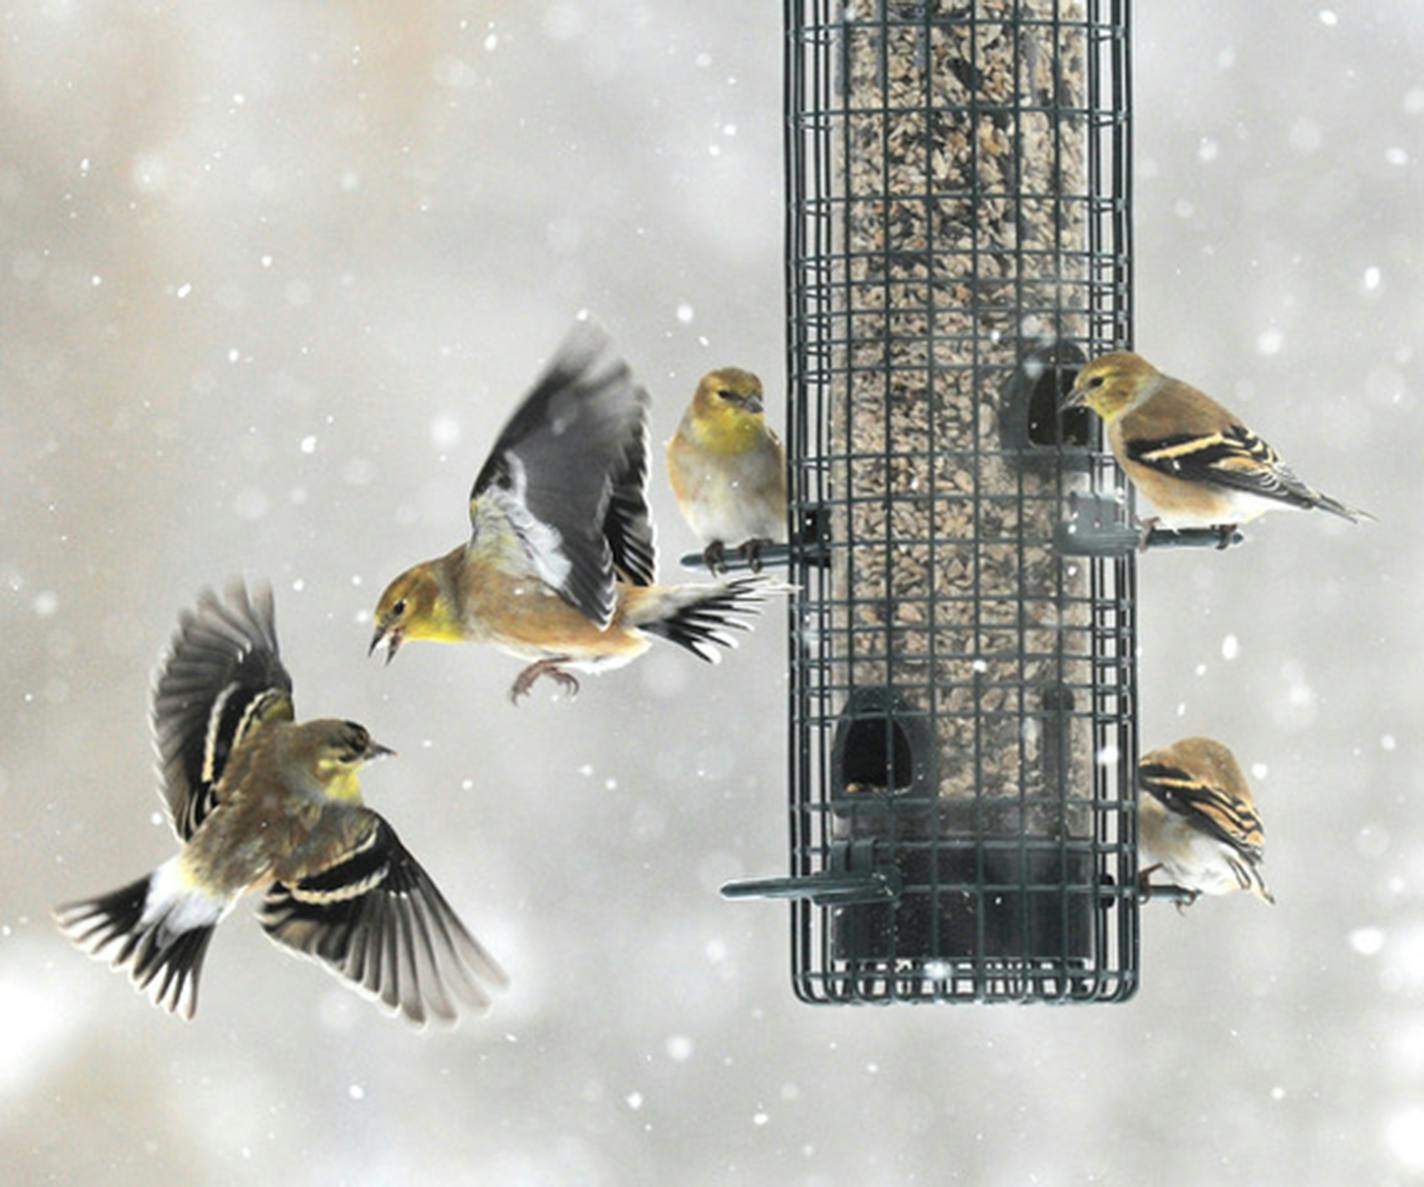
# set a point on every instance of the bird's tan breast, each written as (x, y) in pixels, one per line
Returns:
(523, 615)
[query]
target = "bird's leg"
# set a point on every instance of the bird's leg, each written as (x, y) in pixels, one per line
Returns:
(751, 552)
(714, 557)
(543, 667)
(1144, 880)
(1145, 533)
(1189, 901)
(1224, 532)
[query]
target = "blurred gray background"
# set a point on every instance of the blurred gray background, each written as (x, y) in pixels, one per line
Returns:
(271, 277)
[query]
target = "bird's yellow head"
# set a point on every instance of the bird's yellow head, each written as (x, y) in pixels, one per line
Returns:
(414, 606)
(727, 408)
(338, 749)
(1113, 384)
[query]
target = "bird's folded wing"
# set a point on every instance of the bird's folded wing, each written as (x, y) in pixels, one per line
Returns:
(1233, 456)
(567, 477)
(221, 679)
(1210, 808)
(375, 918)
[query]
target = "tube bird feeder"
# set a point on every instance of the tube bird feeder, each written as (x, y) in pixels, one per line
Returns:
(962, 643)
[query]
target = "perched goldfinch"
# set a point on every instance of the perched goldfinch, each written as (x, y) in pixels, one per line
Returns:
(728, 470)
(1195, 460)
(259, 801)
(559, 567)
(1197, 821)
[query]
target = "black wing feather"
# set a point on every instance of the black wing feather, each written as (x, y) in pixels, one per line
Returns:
(1234, 458)
(222, 675)
(570, 470)
(1209, 809)
(377, 919)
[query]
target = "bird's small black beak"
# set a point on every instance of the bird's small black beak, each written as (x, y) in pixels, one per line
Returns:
(392, 640)
(375, 750)
(753, 403)
(1075, 398)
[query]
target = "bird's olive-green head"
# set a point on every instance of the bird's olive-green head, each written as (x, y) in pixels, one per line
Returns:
(1113, 384)
(728, 393)
(413, 606)
(333, 751)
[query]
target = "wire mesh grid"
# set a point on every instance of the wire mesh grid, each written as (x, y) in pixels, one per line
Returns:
(962, 708)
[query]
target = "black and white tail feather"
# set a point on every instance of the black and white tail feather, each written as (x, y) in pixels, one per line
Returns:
(154, 928)
(698, 617)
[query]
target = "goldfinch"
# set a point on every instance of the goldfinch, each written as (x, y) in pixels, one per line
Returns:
(1197, 821)
(261, 802)
(728, 470)
(1194, 459)
(560, 564)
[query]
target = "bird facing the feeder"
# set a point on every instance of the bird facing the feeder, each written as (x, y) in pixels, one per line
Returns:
(260, 801)
(559, 568)
(728, 470)
(1197, 820)
(1194, 459)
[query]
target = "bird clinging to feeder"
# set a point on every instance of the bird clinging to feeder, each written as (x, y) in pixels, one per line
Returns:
(728, 469)
(1198, 820)
(1194, 459)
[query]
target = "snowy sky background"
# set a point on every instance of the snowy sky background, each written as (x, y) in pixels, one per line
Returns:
(271, 277)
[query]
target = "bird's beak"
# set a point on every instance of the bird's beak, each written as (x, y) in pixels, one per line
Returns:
(1074, 399)
(375, 750)
(753, 404)
(392, 640)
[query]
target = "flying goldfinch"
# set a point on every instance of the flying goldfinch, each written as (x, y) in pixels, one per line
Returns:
(1197, 821)
(1194, 459)
(259, 801)
(560, 565)
(728, 470)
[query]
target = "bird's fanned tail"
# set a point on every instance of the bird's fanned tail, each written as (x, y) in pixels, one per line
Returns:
(698, 617)
(155, 930)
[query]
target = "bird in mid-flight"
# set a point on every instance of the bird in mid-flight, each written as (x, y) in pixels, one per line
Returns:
(1194, 459)
(262, 802)
(1197, 820)
(728, 469)
(560, 565)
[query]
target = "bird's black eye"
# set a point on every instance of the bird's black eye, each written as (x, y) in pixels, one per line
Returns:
(1096, 381)
(399, 608)
(727, 394)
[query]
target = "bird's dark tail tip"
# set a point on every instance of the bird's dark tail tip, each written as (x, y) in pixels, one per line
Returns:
(1343, 510)
(702, 619)
(162, 950)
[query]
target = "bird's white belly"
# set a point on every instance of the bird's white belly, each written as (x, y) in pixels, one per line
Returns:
(1232, 507)
(730, 501)
(1197, 862)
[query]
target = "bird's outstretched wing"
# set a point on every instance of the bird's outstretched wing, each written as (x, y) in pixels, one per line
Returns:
(221, 679)
(375, 917)
(568, 475)
(1207, 806)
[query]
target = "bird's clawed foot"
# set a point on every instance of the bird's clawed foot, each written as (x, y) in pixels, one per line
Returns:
(544, 667)
(1144, 535)
(1190, 900)
(1224, 534)
(714, 556)
(751, 552)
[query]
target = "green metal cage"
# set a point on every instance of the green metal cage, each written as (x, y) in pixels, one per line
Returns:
(962, 643)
